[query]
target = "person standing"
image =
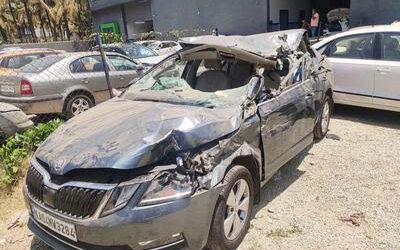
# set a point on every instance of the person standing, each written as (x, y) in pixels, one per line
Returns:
(314, 23)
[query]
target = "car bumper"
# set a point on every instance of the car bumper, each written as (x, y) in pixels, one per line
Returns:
(181, 224)
(36, 105)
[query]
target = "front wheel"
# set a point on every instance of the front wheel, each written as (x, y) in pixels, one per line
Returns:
(233, 211)
(322, 126)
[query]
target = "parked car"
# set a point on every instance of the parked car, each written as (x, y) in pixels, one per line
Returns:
(145, 42)
(140, 53)
(366, 66)
(12, 121)
(12, 59)
(66, 84)
(165, 47)
(180, 157)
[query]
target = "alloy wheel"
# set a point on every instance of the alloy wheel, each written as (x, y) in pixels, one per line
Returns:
(79, 105)
(326, 113)
(237, 208)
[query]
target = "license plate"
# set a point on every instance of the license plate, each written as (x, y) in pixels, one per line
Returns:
(58, 226)
(7, 89)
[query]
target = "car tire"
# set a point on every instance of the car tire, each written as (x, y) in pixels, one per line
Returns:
(322, 126)
(230, 237)
(77, 104)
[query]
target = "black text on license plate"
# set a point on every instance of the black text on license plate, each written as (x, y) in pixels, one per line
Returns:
(58, 226)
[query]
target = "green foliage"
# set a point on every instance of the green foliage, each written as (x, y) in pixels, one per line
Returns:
(15, 149)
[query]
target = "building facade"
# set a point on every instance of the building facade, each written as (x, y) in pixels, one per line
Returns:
(370, 12)
(241, 17)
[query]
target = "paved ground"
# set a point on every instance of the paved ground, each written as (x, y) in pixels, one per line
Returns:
(341, 193)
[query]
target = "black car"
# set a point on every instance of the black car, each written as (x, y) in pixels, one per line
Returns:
(179, 158)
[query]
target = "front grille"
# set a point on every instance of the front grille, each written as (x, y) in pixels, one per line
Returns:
(73, 201)
(34, 183)
(78, 202)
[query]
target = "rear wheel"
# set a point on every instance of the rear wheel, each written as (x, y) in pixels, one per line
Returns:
(322, 126)
(77, 104)
(233, 211)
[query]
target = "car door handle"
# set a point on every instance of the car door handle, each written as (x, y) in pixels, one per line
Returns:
(384, 70)
(86, 81)
(309, 95)
(121, 78)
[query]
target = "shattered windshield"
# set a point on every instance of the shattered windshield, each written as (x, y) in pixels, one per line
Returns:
(164, 83)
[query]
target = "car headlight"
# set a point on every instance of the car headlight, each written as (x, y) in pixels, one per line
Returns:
(120, 196)
(166, 188)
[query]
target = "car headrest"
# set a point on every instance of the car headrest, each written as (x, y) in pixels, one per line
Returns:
(392, 44)
(98, 67)
(213, 64)
(213, 80)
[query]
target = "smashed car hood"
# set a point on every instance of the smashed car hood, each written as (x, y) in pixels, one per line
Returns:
(266, 44)
(124, 134)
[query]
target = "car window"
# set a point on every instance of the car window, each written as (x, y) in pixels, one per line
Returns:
(17, 62)
(322, 50)
(41, 64)
(390, 49)
(87, 64)
(357, 47)
(120, 63)
(138, 51)
(166, 45)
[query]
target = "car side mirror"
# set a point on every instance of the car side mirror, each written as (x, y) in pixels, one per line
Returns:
(255, 85)
(140, 67)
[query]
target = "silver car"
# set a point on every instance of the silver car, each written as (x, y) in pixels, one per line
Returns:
(366, 66)
(66, 84)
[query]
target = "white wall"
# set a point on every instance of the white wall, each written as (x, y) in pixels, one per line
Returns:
(294, 7)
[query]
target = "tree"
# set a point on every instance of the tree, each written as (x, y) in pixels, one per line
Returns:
(6, 24)
(16, 24)
(30, 20)
(56, 19)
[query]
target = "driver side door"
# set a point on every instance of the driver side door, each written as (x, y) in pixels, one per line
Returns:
(287, 121)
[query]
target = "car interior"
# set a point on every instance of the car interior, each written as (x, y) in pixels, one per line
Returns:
(391, 48)
(213, 73)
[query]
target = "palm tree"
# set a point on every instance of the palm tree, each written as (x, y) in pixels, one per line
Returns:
(55, 18)
(30, 20)
(15, 23)
(6, 24)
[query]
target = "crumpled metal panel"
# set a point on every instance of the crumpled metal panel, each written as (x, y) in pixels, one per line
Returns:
(12, 120)
(266, 44)
(124, 134)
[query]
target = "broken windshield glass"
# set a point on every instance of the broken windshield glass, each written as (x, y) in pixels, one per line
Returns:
(164, 83)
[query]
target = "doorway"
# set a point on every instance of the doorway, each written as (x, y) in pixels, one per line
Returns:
(284, 19)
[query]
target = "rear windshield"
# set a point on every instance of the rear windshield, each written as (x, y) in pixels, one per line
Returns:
(41, 64)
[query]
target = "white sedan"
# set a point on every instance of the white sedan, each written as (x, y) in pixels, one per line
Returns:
(366, 66)
(165, 47)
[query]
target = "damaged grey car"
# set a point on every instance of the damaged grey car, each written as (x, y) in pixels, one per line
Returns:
(179, 158)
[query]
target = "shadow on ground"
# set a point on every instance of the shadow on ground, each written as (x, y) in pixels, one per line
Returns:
(368, 116)
(282, 179)
(38, 244)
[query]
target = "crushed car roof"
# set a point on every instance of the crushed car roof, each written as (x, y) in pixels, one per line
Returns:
(265, 44)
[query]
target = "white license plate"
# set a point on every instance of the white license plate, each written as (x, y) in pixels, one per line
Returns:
(58, 226)
(7, 89)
